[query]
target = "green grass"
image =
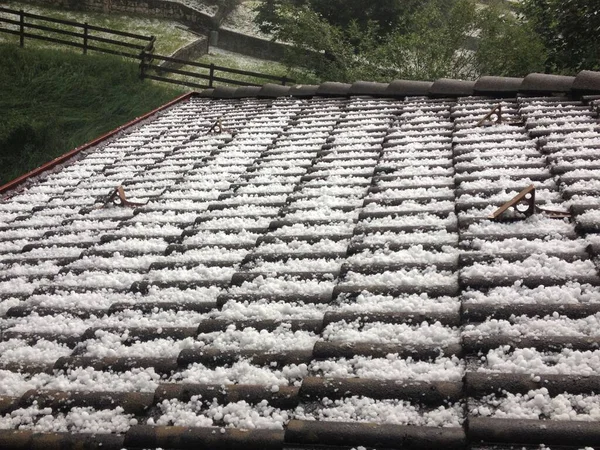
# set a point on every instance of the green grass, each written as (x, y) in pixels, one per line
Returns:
(170, 35)
(245, 63)
(235, 61)
(54, 101)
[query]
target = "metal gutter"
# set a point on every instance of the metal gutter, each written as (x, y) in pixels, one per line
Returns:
(63, 158)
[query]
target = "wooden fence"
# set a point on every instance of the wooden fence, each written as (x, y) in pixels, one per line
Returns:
(210, 77)
(84, 36)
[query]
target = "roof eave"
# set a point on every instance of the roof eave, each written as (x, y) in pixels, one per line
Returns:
(11, 185)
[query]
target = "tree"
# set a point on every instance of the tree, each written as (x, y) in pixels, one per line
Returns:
(570, 31)
(329, 51)
(433, 42)
(434, 45)
(507, 45)
(424, 48)
(388, 15)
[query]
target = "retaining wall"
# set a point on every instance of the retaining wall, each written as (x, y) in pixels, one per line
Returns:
(229, 40)
(164, 9)
(245, 44)
(189, 52)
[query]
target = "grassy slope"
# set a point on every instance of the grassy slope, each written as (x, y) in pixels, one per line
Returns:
(53, 101)
(235, 61)
(170, 35)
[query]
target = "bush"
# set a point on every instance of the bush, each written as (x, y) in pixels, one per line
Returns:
(53, 101)
(227, 5)
(507, 46)
(569, 30)
(433, 42)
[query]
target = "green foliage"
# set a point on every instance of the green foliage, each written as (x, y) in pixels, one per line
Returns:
(570, 30)
(507, 46)
(433, 45)
(433, 40)
(387, 15)
(21, 143)
(53, 101)
(324, 48)
(227, 5)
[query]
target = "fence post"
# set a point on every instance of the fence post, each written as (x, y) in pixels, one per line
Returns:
(211, 75)
(21, 28)
(142, 63)
(85, 38)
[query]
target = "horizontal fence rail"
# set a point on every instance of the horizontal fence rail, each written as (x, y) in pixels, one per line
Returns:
(147, 63)
(82, 37)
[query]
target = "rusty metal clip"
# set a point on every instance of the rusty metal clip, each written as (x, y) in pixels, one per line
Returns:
(118, 198)
(496, 112)
(217, 127)
(553, 214)
(527, 198)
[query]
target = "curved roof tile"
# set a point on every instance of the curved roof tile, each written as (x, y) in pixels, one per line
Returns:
(498, 86)
(368, 88)
(587, 82)
(446, 87)
(247, 91)
(304, 90)
(408, 88)
(333, 89)
(271, 90)
(543, 84)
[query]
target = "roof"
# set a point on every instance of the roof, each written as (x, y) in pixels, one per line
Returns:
(312, 267)
(584, 84)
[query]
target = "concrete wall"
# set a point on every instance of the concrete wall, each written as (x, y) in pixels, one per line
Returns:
(191, 51)
(229, 40)
(244, 44)
(156, 8)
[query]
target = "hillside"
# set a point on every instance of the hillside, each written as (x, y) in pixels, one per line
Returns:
(53, 101)
(170, 35)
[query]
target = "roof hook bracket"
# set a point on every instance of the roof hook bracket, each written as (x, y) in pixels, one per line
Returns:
(217, 127)
(118, 198)
(495, 117)
(524, 204)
